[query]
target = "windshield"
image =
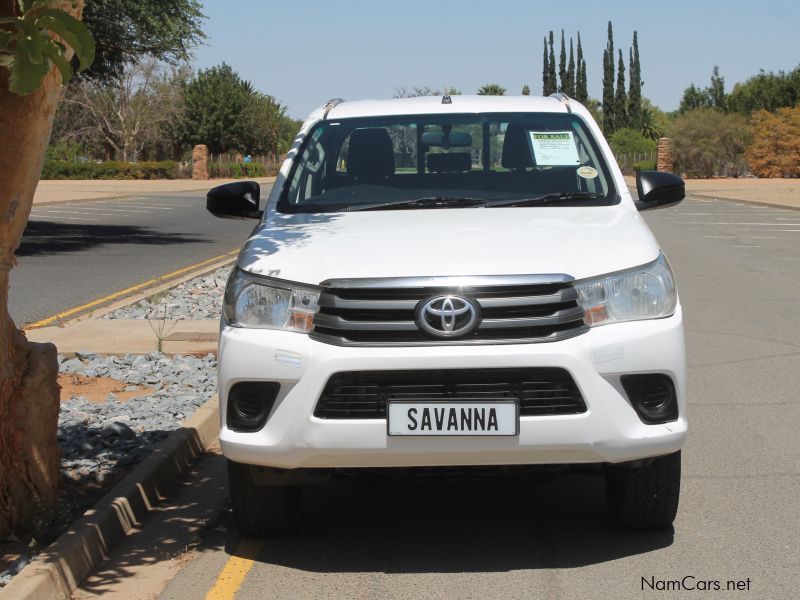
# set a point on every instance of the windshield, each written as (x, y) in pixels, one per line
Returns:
(447, 161)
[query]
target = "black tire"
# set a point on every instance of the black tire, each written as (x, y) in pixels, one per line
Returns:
(645, 498)
(262, 510)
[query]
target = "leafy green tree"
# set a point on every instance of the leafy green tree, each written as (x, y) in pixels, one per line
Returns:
(766, 91)
(635, 85)
(569, 83)
(33, 67)
(620, 98)
(562, 66)
(716, 91)
(492, 89)
(546, 91)
(214, 104)
(128, 30)
(526, 91)
(654, 121)
(609, 111)
(630, 141)
(694, 98)
(551, 68)
(581, 88)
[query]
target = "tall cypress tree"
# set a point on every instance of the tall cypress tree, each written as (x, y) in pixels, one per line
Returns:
(608, 84)
(569, 83)
(635, 86)
(551, 71)
(581, 91)
(546, 91)
(620, 98)
(562, 66)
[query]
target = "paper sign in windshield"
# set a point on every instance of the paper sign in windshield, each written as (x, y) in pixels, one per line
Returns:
(554, 148)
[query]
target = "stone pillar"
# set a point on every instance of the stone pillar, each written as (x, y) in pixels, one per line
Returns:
(664, 160)
(200, 162)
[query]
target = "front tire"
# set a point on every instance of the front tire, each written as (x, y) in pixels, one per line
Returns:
(645, 498)
(262, 510)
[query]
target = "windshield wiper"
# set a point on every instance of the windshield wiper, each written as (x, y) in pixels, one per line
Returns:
(555, 198)
(428, 202)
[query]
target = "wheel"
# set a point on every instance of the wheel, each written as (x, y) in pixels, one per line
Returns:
(262, 510)
(645, 498)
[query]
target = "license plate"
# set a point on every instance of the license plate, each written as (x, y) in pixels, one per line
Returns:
(453, 418)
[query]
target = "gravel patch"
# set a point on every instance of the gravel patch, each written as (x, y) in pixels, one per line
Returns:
(198, 298)
(98, 440)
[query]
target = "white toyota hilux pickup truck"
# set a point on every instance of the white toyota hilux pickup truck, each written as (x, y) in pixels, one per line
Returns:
(440, 282)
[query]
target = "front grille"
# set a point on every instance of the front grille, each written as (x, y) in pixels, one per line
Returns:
(364, 394)
(534, 309)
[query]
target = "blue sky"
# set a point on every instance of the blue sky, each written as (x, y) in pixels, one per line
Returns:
(304, 52)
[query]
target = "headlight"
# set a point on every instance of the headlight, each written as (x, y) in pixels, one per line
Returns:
(646, 292)
(265, 303)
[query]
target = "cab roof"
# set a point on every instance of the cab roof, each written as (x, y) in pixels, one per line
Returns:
(423, 105)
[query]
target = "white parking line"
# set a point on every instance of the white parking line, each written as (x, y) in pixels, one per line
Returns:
(124, 210)
(141, 206)
(69, 212)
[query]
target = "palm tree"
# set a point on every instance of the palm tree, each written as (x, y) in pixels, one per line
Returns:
(492, 89)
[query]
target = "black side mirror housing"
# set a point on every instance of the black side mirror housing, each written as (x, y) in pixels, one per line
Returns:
(658, 189)
(238, 200)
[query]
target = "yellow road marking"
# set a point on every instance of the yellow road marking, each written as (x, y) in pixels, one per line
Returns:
(235, 570)
(127, 291)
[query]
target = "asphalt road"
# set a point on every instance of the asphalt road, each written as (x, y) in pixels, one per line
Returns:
(737, 267)
(76, 252)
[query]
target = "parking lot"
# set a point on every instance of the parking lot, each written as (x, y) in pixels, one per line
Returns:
(737, 267)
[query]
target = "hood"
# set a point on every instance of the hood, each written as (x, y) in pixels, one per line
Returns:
(578, 241)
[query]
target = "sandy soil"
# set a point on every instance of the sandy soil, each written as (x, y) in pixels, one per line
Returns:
(96, 389)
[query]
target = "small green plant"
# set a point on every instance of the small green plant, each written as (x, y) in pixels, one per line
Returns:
(160, 329)
(38, 38)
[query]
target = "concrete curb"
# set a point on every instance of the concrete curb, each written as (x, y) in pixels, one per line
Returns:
(61, 567)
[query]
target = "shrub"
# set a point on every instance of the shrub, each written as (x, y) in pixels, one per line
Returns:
(644, 165)
(236, 170)
(59, 169)
(630, 141)
(775, 151)
(708, 142)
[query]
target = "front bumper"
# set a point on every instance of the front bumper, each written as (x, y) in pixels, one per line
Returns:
(609, 431)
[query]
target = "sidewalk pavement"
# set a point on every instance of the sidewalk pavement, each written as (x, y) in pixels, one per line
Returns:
(54, 191)
(130, 336)
(773, 192)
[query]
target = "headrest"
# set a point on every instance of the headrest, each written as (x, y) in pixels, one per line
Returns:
(516, 150)
(370, 156)
(452, 162)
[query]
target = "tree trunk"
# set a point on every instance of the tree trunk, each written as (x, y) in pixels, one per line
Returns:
(29, 392)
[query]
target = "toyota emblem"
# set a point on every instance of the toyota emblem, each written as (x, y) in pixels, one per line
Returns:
(448, 316)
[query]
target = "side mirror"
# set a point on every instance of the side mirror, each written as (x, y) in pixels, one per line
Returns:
(658, 189)
(238, 200)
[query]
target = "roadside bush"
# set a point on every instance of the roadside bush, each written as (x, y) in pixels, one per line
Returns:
(775, 151)
(644, 165)
(59, 169)
(630, 141)
(236, 170)
(708, 142)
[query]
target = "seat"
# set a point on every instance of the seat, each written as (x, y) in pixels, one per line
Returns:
(516, 150)
(370, 156)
